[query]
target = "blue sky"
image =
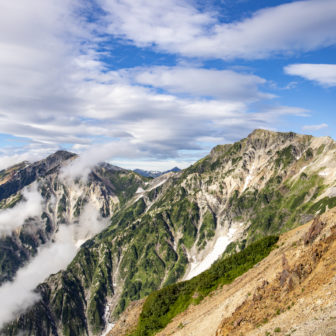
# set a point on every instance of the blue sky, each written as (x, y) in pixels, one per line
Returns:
(155, 84)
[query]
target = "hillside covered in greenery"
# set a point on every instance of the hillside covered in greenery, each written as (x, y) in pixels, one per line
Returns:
(262, 185)
(163, 305)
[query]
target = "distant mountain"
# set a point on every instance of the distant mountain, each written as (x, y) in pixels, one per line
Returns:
(155, 173)
(170, 228)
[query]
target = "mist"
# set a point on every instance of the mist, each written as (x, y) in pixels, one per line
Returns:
(82, 165)
(30, 206)
(17, 296)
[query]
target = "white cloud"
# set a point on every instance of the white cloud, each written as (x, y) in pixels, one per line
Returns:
(55, 90)
(314, 127)
(177, 27)
(30, 206)
(168, 23)
(19, 295)
(323, 74)
(222, 84)
(82, 165)
(10, 160)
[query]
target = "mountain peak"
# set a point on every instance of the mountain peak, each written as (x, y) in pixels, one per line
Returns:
(61, 155)
(260, 132)
(28, 173)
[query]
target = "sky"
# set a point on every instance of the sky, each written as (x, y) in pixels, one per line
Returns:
(154, 84)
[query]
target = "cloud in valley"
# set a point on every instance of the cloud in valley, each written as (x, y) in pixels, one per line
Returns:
(29, 206)
(19, 295)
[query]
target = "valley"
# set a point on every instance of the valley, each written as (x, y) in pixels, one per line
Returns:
(157, 232)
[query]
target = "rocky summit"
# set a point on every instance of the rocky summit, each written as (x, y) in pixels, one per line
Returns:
(174, 227)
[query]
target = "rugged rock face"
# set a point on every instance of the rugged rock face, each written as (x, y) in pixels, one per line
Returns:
(266, 183)
(310, 273)
(17, 177)
(61, 203)
(290, 292)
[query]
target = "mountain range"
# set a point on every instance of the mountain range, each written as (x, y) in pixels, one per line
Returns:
(153, 233)
(155, 173)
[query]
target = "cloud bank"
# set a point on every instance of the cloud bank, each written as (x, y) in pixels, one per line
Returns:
(181, 28)
(58, 90)
(221, 84)
(30, 206)
(19, 295)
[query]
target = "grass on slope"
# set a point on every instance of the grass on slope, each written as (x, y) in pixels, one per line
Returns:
(163, 305)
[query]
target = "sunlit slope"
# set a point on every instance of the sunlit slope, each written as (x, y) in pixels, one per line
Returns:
(264, 184)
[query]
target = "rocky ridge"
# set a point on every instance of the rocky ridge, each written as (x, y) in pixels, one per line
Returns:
(290, 292)
(62, 202)
(266, 183)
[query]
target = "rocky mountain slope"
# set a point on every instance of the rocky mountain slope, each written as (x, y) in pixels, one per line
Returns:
(290, 292)
(176, 226)
(61, 202)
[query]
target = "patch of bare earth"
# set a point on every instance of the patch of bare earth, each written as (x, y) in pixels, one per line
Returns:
(291, 292)
(128, 319)
(301, 299)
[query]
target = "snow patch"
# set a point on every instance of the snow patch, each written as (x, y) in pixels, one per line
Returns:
(157, 184)
(218, 249)
(109, 326)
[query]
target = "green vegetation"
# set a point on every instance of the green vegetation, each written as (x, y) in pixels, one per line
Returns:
(279, 206)
(125, 183)
(161, 306)
(11, 201)
(285, 157)
(145, 247)
(207, 230)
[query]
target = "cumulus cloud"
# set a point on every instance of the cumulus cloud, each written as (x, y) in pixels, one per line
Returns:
(222, 84)
(181, 28)
(30, 206)
(314, 127)
(56, 90)
(323, 74)
(19, 295)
